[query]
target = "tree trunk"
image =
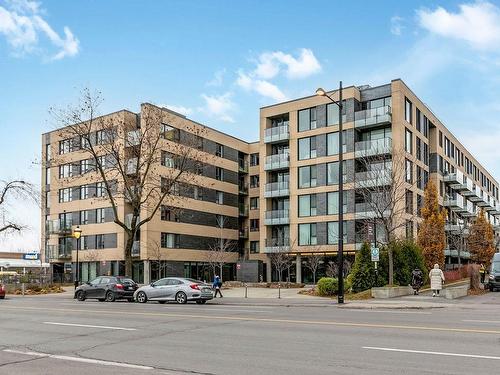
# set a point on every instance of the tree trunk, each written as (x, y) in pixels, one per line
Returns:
(314, 277)
(391, 267)
(128, 256)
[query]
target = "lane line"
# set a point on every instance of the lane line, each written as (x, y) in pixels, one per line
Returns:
(482, 321)
(79, 359)
(388, 311)
(431, 353)
(195, 308)
(264, 320)
(90, 326)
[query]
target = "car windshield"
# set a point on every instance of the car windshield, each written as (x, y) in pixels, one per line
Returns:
(125, 281)
(495, 267)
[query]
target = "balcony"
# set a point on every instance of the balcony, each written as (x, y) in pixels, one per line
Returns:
(456, 203)
(275, 245)
(366, 210)
(61, 251)
(464, 254)
(373, 117)
(376, 147)
(491, 204)
(277, 217)
(497, 210)
(242, 166)
(277, 189)
(136, 249)
(458, 181)
(278, 161)
(369, 179)
(243, 210)
(58, 226)
(469, 210)
(243, 232)
(476, 196)
(243, 189)
(277, 133)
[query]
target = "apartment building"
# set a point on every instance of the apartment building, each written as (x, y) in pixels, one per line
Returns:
(279, 194)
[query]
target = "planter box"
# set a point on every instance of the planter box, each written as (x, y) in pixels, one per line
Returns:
(391, 292)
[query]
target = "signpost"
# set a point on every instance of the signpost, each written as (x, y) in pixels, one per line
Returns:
(375, 257)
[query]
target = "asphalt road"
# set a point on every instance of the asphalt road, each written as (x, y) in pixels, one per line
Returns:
(58, 335)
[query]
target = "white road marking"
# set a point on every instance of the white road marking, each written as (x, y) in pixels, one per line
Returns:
(432, 353)
(388, 311)
(90, 326)
(78, 359)
(483, 321)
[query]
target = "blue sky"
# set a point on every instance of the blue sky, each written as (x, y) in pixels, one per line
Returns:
(219, 61)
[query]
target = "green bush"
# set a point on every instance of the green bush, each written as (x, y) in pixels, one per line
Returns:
(327, 286)
(362, 276)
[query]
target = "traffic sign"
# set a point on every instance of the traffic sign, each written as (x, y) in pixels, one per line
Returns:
(375, 254)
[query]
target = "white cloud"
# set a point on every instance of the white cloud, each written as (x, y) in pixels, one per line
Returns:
(397, 25)
(217, 79)
(264, 88)
(186, 111)
(22, 25)
(271, 63)
(219, 106)
(476, 23)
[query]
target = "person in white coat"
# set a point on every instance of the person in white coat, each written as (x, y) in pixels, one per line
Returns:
(437, 279)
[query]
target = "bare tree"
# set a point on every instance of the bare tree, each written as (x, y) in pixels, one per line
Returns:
(125, 154)
(157, 257)
(457, 238)
(218, 252)
(332, 269)
(381, 185)
(313, 261)
(91, 255)
(280, 260)
(14, 190)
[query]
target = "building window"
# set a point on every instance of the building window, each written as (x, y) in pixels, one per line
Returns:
(408, 141)
(198, 193)
(409, 201)
(100, 215)
(332, 143)
(167, 159)
(65, 146)
(307, 205)
(332, 114)
(254, 247)
(408, 111)
(47, 176)
(408, 171)
(65, 195)
(100, 190)
(165, 213)
(65, 171)
(440, 138)
(409, 229)
(84, 217)
(254, 203)
(307, 234)
(307, 119)
(333, 202)
(254, 181)
(307, 148)
(219, 197)
(84, 191)
(254, 160)
(219, 173)
(168, 132)
(219, 150)
(308, 176)
(169, 240)
(254, 225)
(332, 173)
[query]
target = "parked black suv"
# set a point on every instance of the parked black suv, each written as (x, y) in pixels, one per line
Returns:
(107, 288)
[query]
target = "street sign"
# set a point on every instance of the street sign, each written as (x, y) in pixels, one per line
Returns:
(31, 256)
(375, 254)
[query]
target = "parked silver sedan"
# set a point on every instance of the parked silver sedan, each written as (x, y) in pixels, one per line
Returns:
(176, 289)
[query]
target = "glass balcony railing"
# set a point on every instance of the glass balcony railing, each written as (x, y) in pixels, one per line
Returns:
(456, 203)
(277, 217)
(374, 147)
(61, 251)
(373, 117)
(243, 232)
(136, 248)
(242, 166)
(58, 226)
(277, 133)
(243, 209)
(278, 161)
(379, 177)
(277, 189)
(277, 244)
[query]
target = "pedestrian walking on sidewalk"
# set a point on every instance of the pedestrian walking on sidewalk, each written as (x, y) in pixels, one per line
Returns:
(437, 279)
(417, 280)
(217, 285)
(482, 272)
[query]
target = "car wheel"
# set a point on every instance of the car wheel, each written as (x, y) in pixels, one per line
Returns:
(80, 295)
(181, 298)
(110, 296)
(142, 297)
(201, 301)
(162, 302)
(2, 297)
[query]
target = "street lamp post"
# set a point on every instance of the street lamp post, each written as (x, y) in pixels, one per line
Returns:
(340, 252)
(77, 233)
